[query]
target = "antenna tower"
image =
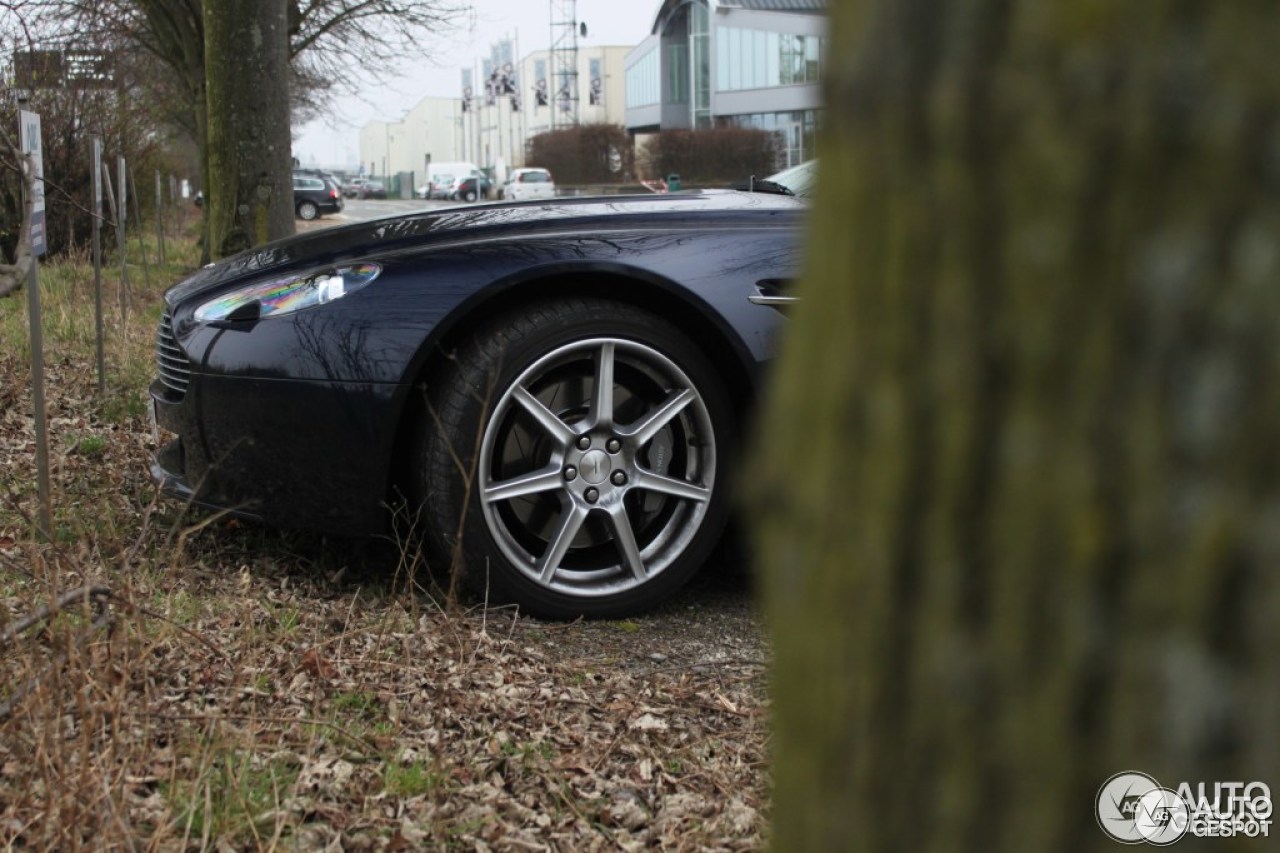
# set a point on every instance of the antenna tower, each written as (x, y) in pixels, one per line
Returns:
(564, 62)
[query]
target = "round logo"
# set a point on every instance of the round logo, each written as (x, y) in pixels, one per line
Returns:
(1118, 802)
(1162, 817)
(594, 467)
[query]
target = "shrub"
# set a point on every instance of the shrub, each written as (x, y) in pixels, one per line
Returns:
(721, 155)
(585, 154)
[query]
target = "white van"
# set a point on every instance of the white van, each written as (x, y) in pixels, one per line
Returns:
(444, 173)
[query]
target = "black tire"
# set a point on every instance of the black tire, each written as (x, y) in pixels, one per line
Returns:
(308, 210)
(469, 195)
(582, 505)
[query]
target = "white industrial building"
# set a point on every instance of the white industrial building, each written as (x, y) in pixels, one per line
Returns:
(704, 63)
(501, 109)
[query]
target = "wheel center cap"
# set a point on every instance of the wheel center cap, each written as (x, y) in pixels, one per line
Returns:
(594, 467)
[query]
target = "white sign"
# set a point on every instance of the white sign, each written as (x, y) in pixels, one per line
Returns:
(97, 177)
(29, 140)
(121, 195)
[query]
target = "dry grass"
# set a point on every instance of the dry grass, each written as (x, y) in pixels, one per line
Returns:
(241, 688)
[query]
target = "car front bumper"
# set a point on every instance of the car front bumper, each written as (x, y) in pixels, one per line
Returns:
(299, 454)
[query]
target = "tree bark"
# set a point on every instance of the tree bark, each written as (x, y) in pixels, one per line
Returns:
(14, 276)
(250, 190)
(1021, 483)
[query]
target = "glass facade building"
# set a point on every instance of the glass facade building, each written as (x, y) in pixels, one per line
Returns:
(758, 59)
(754, 63)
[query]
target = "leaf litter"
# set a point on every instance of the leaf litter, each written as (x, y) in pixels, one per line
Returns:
(267, 690)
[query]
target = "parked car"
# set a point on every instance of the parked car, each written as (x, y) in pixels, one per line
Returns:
(441, 186)
(318, 173)
(528, 183)
(472, 187)
(799, 180)
(441, 173)
(331, 180)
(315, 196)
(615, 373)
(373, 189)
(354, 187)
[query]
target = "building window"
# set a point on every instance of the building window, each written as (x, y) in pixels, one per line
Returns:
(677, 74)
(758, 59)
(643, 78)
(792, 59)
(722, 57)
(811, 63)
(797, 132)
(700, 47)
(773, 61)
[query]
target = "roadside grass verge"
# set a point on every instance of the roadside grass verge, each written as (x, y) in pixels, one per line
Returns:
(219, 686)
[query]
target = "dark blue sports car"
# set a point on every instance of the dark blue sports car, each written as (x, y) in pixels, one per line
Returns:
(552, 392)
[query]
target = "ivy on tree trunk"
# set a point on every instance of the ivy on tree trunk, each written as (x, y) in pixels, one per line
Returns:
(250, 188)
(1020, 488)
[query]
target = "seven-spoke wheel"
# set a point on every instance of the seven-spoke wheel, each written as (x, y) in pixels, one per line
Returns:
(596, 488)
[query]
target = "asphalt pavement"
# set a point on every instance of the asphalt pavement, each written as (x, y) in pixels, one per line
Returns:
(357, 209)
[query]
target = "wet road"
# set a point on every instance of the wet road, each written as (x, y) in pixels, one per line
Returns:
(356, 210)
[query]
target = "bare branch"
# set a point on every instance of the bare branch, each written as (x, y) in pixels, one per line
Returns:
(97, 596)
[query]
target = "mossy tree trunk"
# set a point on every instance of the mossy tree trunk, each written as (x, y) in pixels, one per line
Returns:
(250, 189)
(1021, 488)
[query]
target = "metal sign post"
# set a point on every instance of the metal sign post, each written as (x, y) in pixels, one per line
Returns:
(159, 218)
(175, 204)
(29, 140)
(122, 218)
(137, 218)
(118, 215)
(96, 175)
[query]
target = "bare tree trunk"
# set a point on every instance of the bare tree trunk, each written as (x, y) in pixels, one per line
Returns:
(1021, 497)
(250, 191)
(14, 276)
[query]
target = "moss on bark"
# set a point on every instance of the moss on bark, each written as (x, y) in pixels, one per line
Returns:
(250, 190)
(1021, 483)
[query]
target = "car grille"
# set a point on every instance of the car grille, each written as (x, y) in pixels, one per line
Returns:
(175, 370)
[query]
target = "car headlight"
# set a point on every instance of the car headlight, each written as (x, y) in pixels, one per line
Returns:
(278, 296)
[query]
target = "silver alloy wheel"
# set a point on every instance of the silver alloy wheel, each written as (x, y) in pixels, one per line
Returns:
(597, 467)
(308, 210)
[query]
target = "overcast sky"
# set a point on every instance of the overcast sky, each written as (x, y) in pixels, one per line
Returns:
(334, 141)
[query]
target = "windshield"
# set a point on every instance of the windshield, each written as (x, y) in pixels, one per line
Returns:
(801, 180)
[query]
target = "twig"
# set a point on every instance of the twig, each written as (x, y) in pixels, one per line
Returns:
(98, 594)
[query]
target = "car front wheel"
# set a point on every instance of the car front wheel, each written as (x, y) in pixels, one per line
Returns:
(469, 195)
(573, 458)
(307, 210)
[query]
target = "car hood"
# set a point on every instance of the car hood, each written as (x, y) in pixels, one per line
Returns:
(376, 237)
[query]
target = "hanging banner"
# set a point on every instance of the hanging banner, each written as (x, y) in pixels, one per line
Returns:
(540, 96)
(29, 141)
(596, 96)
(508, 74)
(468, 92)
(489, 71)
(507, 80)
